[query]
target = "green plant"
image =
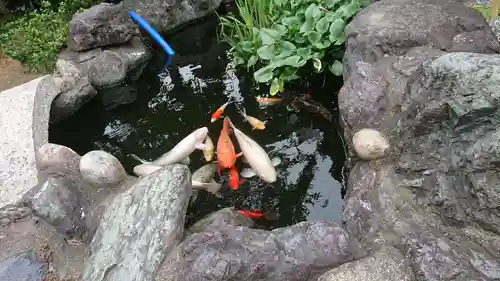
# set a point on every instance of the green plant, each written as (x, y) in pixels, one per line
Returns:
(36, 37)
(485, 10)
(286, 36)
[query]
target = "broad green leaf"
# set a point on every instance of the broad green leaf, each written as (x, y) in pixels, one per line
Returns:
(349, 10)
(238, 60)
(266, 52)
(252, 61)
(314, 37)
(275, 87)
(246, 46)
(322, 25)
(269, 36)
(319, 54)
(317, 64)
(323, 45)
(340, 40)
(292, 61)
(264, 74)
(287, 45)
(304, 53)
(313, 12)
(336, 29)
(331, 16)
(336, 68)
(307, 27)
(299, 38)
(289, 74)
(281, 29)
(329, 3)
(291, 22)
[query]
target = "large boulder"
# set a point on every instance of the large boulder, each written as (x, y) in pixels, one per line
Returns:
(24, 121)
(170, 14)
(298, 252)
(99, 26)
(140, 227)
(413, 70)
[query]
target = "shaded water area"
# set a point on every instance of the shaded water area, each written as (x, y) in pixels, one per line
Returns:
(174, 102)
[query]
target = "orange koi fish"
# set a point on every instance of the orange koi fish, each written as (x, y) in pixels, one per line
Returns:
(234, 178)
(268, 101)
(226, 155)
(216, 115)
(252, 215)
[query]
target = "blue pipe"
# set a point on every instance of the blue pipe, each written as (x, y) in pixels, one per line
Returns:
(154, 34)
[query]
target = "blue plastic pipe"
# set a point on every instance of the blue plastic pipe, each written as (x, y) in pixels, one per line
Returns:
(154, 34)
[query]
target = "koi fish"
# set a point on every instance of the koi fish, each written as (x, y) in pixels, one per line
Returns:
(184, 148)
(216, 115)
(255, 155)
(208, 151)
(234, 179)
(256, 123)
(226, 155)
(248, 172)
(267, 101)
(258, 214)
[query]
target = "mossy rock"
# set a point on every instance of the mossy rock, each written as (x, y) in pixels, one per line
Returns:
(485, 10)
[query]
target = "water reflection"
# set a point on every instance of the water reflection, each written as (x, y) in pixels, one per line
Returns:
(179, 100)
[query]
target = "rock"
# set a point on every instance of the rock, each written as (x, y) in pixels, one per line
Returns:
(298, 252)
(386, 264)
(13, 212)
(76, 91)
(24, 115)
(216, 220)
(63, 206)
(495, 26)
(65, 258)
(406, 74)
(370, 144)
(167, 15)
(140, 227)
(101, 25)
(22, 268)
(58, 159)
(108, 70)
(100, 168)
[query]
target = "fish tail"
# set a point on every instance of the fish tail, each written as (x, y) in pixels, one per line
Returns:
(137, 158)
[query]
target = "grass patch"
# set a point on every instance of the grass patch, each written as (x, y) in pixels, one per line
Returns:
(36, 37)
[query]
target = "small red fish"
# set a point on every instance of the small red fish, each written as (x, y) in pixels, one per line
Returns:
(217, 114)
(234, 178)
(252, 215)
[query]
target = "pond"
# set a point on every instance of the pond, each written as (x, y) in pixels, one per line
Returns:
(175, 101)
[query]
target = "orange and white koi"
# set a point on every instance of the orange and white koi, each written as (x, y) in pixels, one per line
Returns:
(217, 114)
(254, 122)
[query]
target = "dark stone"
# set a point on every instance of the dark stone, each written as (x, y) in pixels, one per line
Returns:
(165, 15)
(99, 26)
(297, 252)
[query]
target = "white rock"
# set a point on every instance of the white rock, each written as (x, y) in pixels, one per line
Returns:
(24, 115)
(370, 144)
(100, 168)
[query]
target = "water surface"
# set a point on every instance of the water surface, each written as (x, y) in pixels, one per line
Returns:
(175, 101)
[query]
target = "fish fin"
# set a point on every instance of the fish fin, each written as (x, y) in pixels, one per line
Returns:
(239, 154)
(276, 161)
(200, 146)
(247, 173)
(138, 158)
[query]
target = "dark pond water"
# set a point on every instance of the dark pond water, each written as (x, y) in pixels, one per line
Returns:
(174, 102)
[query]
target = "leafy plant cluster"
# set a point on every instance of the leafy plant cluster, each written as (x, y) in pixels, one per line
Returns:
(36, 37)
(279, 37)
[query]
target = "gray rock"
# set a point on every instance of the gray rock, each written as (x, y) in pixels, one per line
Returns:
(108, 70)
(435, 196)
(216, 220)
(99, 26)
(24, 115)
(140, 227)
(298, 252)
(102, 169)
(59, 160)
(495, 26)
(387, 264)
(63, 206)
(22, 268)
(167, 15)
(76, 90)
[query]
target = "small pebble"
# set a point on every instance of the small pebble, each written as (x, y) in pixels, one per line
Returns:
(370, 144)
